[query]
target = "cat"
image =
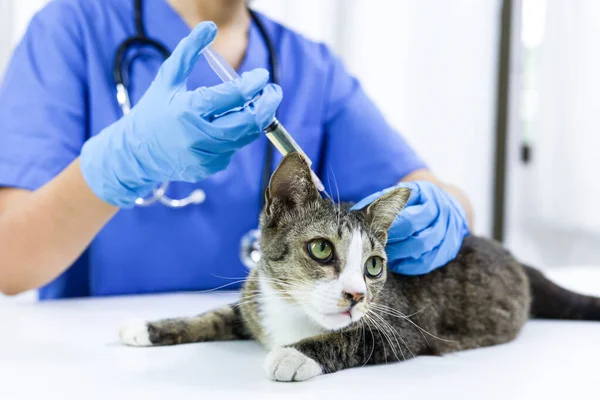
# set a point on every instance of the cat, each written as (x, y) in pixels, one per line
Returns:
(321, 299)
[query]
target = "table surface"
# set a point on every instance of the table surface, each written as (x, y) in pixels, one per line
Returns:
(68, 349)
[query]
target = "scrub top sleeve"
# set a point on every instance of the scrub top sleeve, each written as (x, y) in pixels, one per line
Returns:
(363, 153)
(42, 100)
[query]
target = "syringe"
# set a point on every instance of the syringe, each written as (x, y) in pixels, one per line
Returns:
(275, 131)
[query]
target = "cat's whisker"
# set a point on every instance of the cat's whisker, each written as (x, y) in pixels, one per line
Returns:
(280, 283)
(388, 328)
(217, 288)
(399, 333)
(258, 297)
(395, 313)
(372, 340)
(407, 315)
(380, 330)
(278, 294)
(362, 325)
(400, 315)
(259, 278)
(337, 190)
(384, 307)
(382, 335)
(255, 295)
(270, 278)
(230, 277)
(279, 287)
(294, 293)
(286, 285)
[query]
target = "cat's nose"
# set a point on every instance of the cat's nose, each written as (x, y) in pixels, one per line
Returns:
(354, 298)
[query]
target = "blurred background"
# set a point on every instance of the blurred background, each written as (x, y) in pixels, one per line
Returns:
(434, 67)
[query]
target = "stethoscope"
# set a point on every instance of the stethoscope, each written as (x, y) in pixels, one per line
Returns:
(250, 252)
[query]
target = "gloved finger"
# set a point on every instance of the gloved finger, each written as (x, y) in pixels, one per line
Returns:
(215, 100)
(220, 146)
(206, 156)
(413, 219)
(214, 143)
(451, 245)
(439, 256)
(249, 120)
(265, 107)
(175, 70)
(412, 266)
(426, 240)
(208, 164)
(237, 129)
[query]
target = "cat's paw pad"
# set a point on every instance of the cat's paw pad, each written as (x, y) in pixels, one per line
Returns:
(286, 365)
(135, 333)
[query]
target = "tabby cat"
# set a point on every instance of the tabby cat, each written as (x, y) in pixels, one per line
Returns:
(321, 299)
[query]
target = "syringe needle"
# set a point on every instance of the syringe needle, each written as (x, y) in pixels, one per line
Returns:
(275, 131)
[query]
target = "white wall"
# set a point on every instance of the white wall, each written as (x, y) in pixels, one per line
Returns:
(5, 32)
(22, 12)
(430, 65)
(553, 214)
(14, 18)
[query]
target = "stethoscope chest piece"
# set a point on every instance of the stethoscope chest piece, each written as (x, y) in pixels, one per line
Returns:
(250, 253)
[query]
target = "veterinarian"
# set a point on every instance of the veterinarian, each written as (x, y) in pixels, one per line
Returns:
(74, 161)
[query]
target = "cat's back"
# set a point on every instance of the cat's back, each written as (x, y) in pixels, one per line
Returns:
(483, 294)
(480, 263)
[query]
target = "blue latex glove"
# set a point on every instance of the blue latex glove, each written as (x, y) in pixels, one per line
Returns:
(177, 135)
(428, 232)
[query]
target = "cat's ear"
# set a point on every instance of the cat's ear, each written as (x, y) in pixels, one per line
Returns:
(381, 213)
(291, 185)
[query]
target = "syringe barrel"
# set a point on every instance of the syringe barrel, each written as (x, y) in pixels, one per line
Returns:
(219, 65)
(282, 140)
(276, 133)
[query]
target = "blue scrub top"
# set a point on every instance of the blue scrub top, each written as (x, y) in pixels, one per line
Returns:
(58, 91)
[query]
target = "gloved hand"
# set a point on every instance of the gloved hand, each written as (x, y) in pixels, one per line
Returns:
(177, 135)
(428, 232)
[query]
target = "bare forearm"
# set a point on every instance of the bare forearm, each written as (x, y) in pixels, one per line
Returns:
(460, 196)
(43, 233)
(425, 175)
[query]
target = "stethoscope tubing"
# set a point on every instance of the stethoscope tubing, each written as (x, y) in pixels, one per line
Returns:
(249, 245)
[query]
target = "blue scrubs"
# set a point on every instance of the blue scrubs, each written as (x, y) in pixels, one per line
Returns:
(58, 91)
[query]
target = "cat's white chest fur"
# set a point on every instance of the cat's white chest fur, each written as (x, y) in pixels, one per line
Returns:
(283, 323)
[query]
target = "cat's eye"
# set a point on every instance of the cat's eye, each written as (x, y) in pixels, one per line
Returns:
(374, 267)
(320, 250)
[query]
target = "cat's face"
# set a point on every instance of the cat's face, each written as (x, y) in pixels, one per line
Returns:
(328, 261)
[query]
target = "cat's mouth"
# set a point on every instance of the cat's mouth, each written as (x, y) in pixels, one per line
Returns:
(350, 314)
(345, 313)
(338, 319)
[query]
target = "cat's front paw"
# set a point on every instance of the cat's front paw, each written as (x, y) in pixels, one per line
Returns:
(286, 364)
(135, 333)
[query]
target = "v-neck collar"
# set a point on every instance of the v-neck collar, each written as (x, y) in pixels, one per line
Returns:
(165, 25)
